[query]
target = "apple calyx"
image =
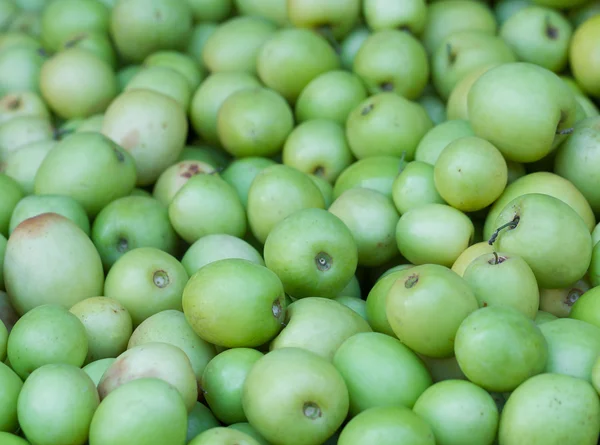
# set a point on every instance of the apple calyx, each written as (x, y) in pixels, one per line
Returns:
(551, 30)
(573, 296)
(411, 281)
(323, 261)
(451, 54)
(386, 86)
(311, 410)
(160, 279)
(122, 245)
(319, 170)
(509, 225)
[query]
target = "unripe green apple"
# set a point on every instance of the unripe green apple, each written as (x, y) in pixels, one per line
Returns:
(560, 4)
(214, 156)
(182, 63)
(457, 106)
(560, 301)
(223, 435)
(210, 10)
(406, 15)
(97, 43)
(376, 173)
(23, 103)
(376, 302)
(23, 130)
(358, 305)
(585, 307)
(392, 61)
(176, 176)
(3, 242)
(20, 68)
(95, 370)
(200, 419)
(12, 193)
(11, 387)
(415, 187)
(274, 10)
(334, 18)
(438, 137)
(162, 80)
(241, 173)
(434, 106)
(351, 44)
(469, 255)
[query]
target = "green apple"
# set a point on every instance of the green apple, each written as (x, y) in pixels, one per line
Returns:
(319, 325)
(20, 68)
(548, 184)
(129, 223)
(372, 219)
(247, 312)
(313, 252)
(210, 10)
(45, 335)
(585, 307)
(177, 61)
(560, 301)
(446, 18)
(377, 299)
(200, 419)
(214, 156)
(376, 173)
(380, 371)
(8, 314)
(11, 387)
(371, 128)
(390, 60)
(521, 108)
(543, 317)
(92, 124)
(463, 52)
(176, 176)
(548, 235)
(434, 105)
(157, 359)
(335, 18)
(516, 170)
(31, 275)
(442, 369)
(23, 130)
(277, 192)
(324, 187)
(97, 43)
(573, 346)
(309, 414)
(88, 167)
(108, 326)
(415, 187)
(352, 289)
(596, 375)
(64, 18)
(24, 103)
(207, 204)
(504, 9)
(580, 14)
(95, 370)
(469, 255)
(332, 95)
(433, 233)
(470, 174)
(594, 269)
(561, 4)
(437, 138)
(125, 74)
(499, 279)
(209, 97)
(459, 412)
(245, 427)
(358, 305)
(293, 57)
(387, 425)
(351, 44)
(274, 10)
(457, 105)
(146, 281)
(241, 173)
(548, 45)
(170, 326)
(14, 38)
(162, 80)
(235, 44)
(551, 409)
(254, 122)
(223, 380)
(8, 11)
(150, 126)
(406, 15)
(12, 193)
(138, 27)
(223, 436)
(159, 415)
(498, 348)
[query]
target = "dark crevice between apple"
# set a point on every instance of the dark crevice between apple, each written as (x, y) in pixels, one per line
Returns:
(509, 225)
(452, 55)
(411, 281)
(561, 120)
(551, 30)
(323, 261)
(120, 156)
(386, 86)
(311, 410)
(161, 279)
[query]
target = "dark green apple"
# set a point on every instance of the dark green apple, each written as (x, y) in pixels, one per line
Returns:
(371, 129)
(438, 137)
(334, 18)
(585, 307)
(415, 187)
(162, 80)
(241, 172)
(20, 68)
(293, 57)
(406, 15)
(504, 9)
(332, 95)
(182, 63)
(376, 173)
(235, 44)
(12, 193)
(11, 387)
(392, 61)
(351, 44)
(24, 103)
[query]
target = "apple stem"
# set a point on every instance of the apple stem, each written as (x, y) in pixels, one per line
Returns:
(510, 225)
(495, 257)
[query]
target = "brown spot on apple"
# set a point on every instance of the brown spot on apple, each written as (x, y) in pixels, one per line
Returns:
(130, 140)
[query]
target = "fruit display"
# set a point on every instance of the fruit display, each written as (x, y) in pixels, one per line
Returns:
(299, 222)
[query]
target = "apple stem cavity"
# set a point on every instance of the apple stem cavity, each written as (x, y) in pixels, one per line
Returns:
(551, 30)
(451, 54)
(573, 296)
(323, 261)
(497, 259)
(160, 279)
(122, 245)
(311, 410)
(510, 225)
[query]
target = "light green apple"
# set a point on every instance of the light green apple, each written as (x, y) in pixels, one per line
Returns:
(95, 370)
(585, 307)
(406, 15)
(274, 10)
(223, 435)
(376, 173)
(334, 19)
(504, 9)
(469, 255)
(351, 44)
(177, 61)
(23, 103)
(23, 130)
(200, 419)
(241, 173)
(176, 176)
(376, 302)
(415, 187)
(11, 387)
(20, 67)
(200, 34)
(457, 106)
(162, 80)
(438, 137)
(358, 305)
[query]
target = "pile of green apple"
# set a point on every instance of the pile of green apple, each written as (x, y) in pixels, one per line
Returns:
(299, 222)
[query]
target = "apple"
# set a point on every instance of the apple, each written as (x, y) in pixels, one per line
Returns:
(376, 173)
(406, 15)
(24, 103)
(469, 255)
(8, 11)
(235, 44)
(548, 47)
(129, 223)
(433, 233)
(20, 68)
(248, 312)
(544, 317)
(170, 326)
(206, 204)
(3, 340)
(498, 348)
(147, 410)
(434, 106)
(12, 193)
(97, 43)
(214, 156)
(442, 369)
(139, 28)
(176, 176)
(254, 122)
(125, 74)
(31, 275)
(23, 130)
(157, 359)
(240, 174)
(223, 435)
(530, 108)
(446, 18)
(548, 235)
(437, 138)
(561, 4)
(210, 10)
(457, 104)
(560, 301)
(47, 334)
(358, 305)
(415, 187)
(57, 401)
(351, 44)
(91, 124)
(127, 121)
(463, 52)
(332, 95)
(376, 302)
(277, 192)
(222, 382)
(108, 326)
(584, 308)
(470, 174)
(390, 60)
(245, 427)
(324, 187)
(95, 370)
(504, 9)
(459, 412)
(319, 391)
(596, 375)
(11, 387)
(200, 419)
(371, 128)
(177, 61)
(551, 409)
(505, 280)
(291, 58)
(162, 80)
(387, 425)
(10, 39)
(88, 167)
(425, 307)
(319, 325)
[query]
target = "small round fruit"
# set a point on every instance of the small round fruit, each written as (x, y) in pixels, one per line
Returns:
(97, 369)
(11, 385)
(223, 435)
(437, 138)
(583, 56)
(469, 255)
(375, 173)
(559, 302)
(163, 80)
(415, 187)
